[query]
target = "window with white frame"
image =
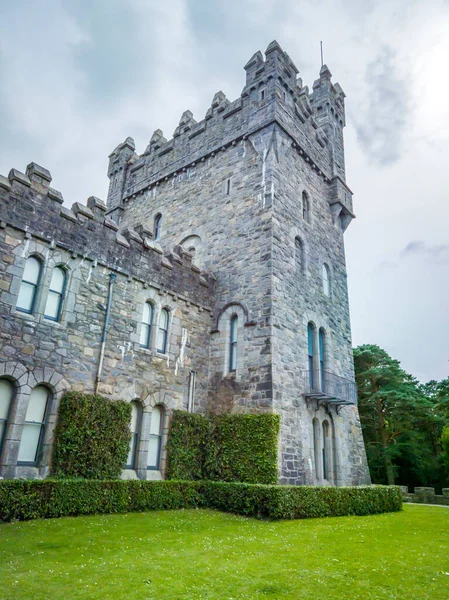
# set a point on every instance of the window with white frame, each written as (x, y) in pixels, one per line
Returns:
(162, 331)
(155, 442)
(157, 226)
(233, 343)
(55, 296)
(29, 285)
(326, 280)
(147, 321)
(133, 443)
(6, 397)
(34, 426)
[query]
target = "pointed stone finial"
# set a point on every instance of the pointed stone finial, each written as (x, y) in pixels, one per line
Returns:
(130, 143)
(325, 72)
(255, 60)
(273, 47)
(157, 135)
(186, 117)
(218, 99)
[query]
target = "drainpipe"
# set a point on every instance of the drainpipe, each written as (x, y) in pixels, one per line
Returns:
(191, 399)
(112, 278)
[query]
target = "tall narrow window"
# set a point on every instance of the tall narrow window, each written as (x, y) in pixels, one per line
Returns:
(326, 280)
(34, 426)
(154, 445)
(299, 254)
(310, 345)
(316, 445)
(55, 295)
(6, 396)
(324, 449)
(321, 338)
(228, 186)
(134, 426)
(305, 207)
(233, 344)
(147, 320)
(29, 285)
(162, 332)
(157, 226)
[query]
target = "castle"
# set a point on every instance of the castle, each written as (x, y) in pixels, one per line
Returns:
(213, 279)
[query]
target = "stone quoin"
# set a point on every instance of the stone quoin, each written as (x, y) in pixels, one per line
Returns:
(213, 279)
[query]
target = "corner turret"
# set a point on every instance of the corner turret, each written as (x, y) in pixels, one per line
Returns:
(119, 161)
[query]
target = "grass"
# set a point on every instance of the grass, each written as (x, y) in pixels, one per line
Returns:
(202, 554)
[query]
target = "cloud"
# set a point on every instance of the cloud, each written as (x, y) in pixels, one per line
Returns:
(437, 252)
(381, 125)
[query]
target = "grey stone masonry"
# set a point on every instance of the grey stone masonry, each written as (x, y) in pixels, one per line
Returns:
(64, 354)
(236, 224)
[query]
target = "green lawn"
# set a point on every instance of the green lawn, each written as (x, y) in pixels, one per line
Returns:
(201, 554)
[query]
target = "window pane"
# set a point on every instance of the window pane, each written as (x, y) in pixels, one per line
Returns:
(233, 364)
(6, 394)
(310, 340)
(52, 306)
(29, 442)
(26, 296)
(37, 404)
(145, 335)
(57, 280)
(147, 313)
(155, 426)
(234, 321)
(153, 452)
(321, 338)
(132, 451)
(161, 340)
(31, 271)
(134, 417)
(163, 319)
(2, 430)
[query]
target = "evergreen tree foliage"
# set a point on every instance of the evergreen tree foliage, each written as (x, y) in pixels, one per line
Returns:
(401, 420)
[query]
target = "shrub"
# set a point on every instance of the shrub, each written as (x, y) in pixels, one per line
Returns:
(24, 499)
(223, 448)
(445, 454)
(186, 445)
(91, 437)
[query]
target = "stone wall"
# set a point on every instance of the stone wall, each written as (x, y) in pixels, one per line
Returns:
(64, 354)
(425, 495)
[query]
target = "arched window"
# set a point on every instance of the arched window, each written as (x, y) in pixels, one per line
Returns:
(134, 426)
(155, 443)
(322, 349)
(325, 449)
(305, 207)
(316, 446)
(310, 353)
(233, 343)
(29, 285)
(326, 280)
(6, 396)
(157, 226)
(147, 321)
(299, 254)
(162, 332)
(55, 296)
(34, 426)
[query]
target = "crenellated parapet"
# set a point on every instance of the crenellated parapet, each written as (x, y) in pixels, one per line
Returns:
(273, 94)
(28, 204)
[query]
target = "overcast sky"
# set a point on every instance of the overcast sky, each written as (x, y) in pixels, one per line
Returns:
(78, 77)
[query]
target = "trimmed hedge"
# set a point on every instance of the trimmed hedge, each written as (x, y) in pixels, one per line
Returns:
(186, 446)
(223, 448)
(91, 437)
(24, 499)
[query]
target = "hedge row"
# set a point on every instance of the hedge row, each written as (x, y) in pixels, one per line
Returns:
(223, 448)
(23, 500)
(91, 437)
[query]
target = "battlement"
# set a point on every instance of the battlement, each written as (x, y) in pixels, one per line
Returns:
(29, 204)
(273, 92)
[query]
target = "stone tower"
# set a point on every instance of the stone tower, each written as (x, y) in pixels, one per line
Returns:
(256, 194)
